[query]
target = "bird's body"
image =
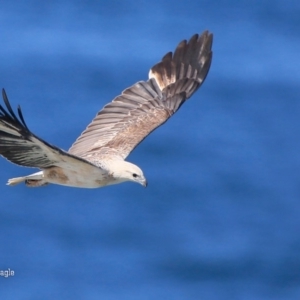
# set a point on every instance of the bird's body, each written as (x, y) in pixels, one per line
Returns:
(83, 176)
(96, 158)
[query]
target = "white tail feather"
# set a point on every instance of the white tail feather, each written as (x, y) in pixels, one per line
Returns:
(14, 181)
(36, 176)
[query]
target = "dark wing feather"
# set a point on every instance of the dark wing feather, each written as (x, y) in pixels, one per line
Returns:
(22, 147)
(122, 124)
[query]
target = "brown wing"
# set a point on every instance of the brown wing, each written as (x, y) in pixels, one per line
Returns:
(122, 124)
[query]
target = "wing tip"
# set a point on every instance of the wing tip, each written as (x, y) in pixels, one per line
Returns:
(10, 113)
(189, 57)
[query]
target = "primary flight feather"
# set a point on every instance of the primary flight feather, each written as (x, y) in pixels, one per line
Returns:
(96, 158)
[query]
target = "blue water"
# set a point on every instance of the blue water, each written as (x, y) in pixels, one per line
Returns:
(220, 218)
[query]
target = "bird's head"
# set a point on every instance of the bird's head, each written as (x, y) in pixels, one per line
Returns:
(126, 171)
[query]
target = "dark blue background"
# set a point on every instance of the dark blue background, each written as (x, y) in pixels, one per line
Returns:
(220, 218)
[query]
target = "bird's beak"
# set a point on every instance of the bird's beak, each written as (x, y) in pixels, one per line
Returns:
(144, 182)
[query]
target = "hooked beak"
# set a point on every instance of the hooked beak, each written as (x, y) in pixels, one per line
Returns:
(144, 182)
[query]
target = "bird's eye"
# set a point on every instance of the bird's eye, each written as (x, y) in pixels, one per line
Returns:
(134, 175)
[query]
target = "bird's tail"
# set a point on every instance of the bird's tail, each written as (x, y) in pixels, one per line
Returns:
(33, 180)
(14, 181)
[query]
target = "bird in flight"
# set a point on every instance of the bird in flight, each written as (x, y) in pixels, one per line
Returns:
(97, 157)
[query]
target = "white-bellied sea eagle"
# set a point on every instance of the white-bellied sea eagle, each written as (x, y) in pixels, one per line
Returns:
(97, 157)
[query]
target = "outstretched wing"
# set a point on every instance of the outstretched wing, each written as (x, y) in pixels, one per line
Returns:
(122, 124)
(22, 147)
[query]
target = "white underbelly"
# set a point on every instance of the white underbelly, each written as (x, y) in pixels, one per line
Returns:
(87, 177)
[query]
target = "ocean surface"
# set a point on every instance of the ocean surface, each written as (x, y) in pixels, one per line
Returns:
(220, 218)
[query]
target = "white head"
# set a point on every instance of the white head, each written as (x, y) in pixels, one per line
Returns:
(126, 171)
